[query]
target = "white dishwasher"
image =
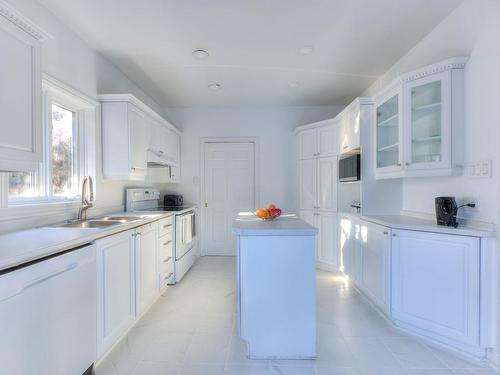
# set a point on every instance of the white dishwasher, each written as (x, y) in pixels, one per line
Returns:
(48, 315)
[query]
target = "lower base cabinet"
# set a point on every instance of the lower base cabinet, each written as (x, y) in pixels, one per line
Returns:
(127, 281)
(375, 269)
(436, 285)
(146, 266)
(349, 235)
(327, 250)
(115, 288)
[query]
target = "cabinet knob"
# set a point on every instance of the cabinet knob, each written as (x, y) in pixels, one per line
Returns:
(399, 164)
(407, 163)
(394, 235)
(386, 233)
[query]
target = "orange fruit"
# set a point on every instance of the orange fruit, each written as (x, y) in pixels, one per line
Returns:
(263, 213)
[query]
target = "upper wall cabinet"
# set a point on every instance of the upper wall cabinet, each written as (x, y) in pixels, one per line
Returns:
(419, 123)
(318, 140)
(349, 128)
(20, 92)
(129, 130)
(125, 133)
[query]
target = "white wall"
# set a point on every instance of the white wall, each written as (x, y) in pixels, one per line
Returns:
(473, 29)
(69, 59)
(274, 128)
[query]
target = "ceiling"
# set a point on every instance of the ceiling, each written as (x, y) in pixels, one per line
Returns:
(253, 45)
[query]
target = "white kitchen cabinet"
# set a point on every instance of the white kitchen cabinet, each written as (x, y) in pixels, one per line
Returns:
(308, 184)
(327, 170)
(436, 285)
(173, 141)
(349, 237)
(349, 128)
(327, 239)
(388, 131)
(319, 141)
(165, 143)
(125, 132)
(318, 183)
(419, 123)
(327, 250)
(115, 288)
(375, 270)
(20, 92)
(146, 266)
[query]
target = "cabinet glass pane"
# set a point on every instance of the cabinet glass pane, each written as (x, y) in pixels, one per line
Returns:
(426, 123)
(388, 133)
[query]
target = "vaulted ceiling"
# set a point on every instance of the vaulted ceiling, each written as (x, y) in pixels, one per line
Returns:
(261, 52)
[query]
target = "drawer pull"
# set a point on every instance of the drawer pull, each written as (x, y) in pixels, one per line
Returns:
(166, 260)
(168, 276)
(168, 242)
(166, 226)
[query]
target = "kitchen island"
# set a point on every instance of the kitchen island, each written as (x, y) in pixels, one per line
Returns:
(276, 286)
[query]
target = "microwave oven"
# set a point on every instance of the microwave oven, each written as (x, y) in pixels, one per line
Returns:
(350, 168)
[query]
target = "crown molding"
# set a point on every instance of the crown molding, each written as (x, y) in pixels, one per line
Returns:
(129, 98)
(443, 66)
(12, 15)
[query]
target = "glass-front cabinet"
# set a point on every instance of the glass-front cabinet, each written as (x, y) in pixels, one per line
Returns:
(388, 131)
(418, 123)
(428, 139)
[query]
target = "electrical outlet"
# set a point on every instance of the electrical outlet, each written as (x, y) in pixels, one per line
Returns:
(479, 169)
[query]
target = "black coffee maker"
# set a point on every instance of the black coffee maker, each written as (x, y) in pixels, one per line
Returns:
(446, 211)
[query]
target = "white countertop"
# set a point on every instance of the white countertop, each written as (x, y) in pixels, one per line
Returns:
(21, 247)
(425, 225)
(285, 225)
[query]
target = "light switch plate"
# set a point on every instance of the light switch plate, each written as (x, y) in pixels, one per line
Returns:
(479, 169)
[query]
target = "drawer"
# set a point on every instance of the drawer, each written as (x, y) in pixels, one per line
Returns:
(166, 271)
(165, 226)
(165, 248)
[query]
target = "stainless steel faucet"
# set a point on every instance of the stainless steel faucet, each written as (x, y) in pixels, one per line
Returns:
(87, 197)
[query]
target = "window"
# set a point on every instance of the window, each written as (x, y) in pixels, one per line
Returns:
(68, 149)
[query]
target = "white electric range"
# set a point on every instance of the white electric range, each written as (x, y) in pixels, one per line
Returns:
(185, 224)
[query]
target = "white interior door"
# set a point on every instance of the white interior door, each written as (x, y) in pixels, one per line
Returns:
(229, 188)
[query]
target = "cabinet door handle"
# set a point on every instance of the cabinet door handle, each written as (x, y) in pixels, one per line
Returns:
(167, 259)
(386, 233)
(166, 226)
(345, 147)
(399, 164)
(168, 276)
(407, 163)
(166, 243)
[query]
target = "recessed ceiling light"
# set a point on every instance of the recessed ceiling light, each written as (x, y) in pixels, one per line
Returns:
(293, 84)
(215, 86)
(200, 54)
(306, 50)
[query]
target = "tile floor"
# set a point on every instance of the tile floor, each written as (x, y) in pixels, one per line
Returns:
(191, 331)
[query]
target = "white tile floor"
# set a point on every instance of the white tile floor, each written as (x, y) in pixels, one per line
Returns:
(191, 331)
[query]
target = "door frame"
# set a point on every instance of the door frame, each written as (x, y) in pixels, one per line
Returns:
(207, 140)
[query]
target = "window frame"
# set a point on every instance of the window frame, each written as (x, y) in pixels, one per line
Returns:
(86, 116)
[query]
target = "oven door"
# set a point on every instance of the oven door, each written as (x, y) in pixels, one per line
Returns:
(185, 233)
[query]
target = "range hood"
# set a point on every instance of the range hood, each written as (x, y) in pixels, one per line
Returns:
(158, 159)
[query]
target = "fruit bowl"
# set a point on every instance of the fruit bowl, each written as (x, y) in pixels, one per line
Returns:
(271, 212)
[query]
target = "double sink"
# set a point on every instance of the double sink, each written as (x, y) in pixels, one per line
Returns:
(104, 222)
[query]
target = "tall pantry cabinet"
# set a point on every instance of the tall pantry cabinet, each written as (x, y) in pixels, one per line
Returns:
(318, 182)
